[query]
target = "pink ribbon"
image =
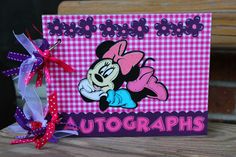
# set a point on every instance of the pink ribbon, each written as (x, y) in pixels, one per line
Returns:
(47, 59)
(126, 61)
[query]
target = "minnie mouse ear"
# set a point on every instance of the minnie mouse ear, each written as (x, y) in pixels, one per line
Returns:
(103, 48)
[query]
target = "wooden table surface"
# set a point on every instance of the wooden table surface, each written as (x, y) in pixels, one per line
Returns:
(221, 141)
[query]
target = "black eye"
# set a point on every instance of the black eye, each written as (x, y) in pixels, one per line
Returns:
(102, 69)
(108, 72)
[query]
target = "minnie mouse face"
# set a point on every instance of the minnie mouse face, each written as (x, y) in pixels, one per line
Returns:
(102, 74)
(111, 69)
(113, 65)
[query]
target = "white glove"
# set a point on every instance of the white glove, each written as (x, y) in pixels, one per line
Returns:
(88, 91)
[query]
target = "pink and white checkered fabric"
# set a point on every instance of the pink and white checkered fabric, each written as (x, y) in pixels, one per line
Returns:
(182, 63)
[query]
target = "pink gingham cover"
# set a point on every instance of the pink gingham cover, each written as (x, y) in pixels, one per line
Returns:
(182, 63)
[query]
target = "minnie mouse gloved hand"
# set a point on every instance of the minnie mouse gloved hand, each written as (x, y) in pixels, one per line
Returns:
(89, 92)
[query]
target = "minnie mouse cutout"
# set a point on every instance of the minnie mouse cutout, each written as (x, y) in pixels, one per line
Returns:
(113, 67)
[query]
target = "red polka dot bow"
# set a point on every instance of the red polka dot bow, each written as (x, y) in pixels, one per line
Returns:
(47, 59)
(40, 139)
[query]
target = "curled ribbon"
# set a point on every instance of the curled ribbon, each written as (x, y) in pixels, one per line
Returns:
(42, 132)
(126, 61)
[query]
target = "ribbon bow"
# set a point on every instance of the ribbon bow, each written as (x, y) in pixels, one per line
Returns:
(49, 58)
(126, 61)
(41, 134)
(36, 62)
(32, 127)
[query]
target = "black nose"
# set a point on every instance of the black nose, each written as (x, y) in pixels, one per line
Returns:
(99, 78)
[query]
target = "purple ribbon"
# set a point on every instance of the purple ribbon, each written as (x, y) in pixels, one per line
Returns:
(24, 123)
(19, 57)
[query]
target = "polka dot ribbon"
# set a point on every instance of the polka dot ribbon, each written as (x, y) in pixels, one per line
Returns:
(19, 57)
(41, 139)
(42, 54)
(47, 59)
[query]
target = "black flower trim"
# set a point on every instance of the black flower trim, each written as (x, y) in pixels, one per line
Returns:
(192, 27)
(55, 27)
(123, 30)
(163, 28)
(70, 30)
(108, 28)
(85, 28)
(137, 28)
(178, 29)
